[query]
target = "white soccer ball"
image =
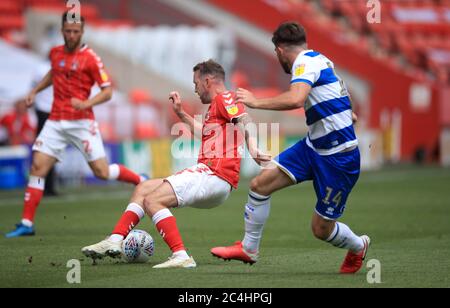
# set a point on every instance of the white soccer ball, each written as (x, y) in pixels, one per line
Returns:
(138, 247)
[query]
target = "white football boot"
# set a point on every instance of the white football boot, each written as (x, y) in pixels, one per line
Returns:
(174, 262)
(102, 249)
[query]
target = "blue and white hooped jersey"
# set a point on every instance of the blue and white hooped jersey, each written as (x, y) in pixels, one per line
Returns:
(327, 108)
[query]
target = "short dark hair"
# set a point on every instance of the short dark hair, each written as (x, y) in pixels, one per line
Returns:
(210, 67)
(65, 18)
(289, 33)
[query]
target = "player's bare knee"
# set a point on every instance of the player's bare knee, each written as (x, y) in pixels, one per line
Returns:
(149, 205)
(35, 168)
(101, 173)
(139, 190)
(320, 231)
(38, 170)
(257, 186)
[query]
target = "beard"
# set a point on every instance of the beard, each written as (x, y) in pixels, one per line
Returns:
(71, 45)
(205, 99)
(286, 67)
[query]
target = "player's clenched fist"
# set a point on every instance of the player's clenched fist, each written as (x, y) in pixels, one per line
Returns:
(78, 104)
(175, 99)
(29, 100)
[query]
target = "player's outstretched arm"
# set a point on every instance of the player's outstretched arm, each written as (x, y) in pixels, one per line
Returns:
(244, 123)
(43, 84)
(195, 126)
(293, 99)
(103, 96)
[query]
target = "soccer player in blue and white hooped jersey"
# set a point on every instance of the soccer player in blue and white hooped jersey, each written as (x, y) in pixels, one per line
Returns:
(328, 156)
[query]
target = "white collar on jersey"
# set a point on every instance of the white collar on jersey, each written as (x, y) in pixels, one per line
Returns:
(83, 47)
(305, 51)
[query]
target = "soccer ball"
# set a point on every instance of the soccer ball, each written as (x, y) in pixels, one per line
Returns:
(138, 247)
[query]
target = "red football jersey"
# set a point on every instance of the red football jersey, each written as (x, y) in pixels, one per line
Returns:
(222, 142)
(73, 75)
(19, 127)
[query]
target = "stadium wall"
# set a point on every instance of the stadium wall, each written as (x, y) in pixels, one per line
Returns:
(158, 158)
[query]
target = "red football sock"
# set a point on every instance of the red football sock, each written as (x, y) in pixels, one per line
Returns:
(33, 197)
(168, 229)
(130, 218)
(126, 175)
(126, 223)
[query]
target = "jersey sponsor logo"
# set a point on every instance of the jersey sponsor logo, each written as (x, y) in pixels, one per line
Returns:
(299, 70)
(232, 109)
(227, 95)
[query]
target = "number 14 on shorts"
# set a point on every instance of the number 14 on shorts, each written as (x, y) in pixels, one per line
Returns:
(336, 197)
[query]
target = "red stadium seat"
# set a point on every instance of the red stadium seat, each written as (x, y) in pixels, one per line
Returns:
(112, 24)
(143, 131)
(88, 11)
(10, 7)
(140, 96)
(108, 132)
(11, 22)
(330, 5)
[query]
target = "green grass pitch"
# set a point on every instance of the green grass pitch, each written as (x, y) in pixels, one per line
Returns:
(405, 211)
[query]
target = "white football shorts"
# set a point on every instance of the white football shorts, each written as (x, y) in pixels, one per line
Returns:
(83, 134)
(199, 187)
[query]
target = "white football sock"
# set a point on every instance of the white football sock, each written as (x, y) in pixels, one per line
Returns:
(257, 211)
(116, 238)
(114, 172)
(343, 237)
(181, 254)
(137, 209)
(36, 182)
(27, 223)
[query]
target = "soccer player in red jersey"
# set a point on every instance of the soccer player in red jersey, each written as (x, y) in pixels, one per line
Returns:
(328, 155)
(205, 185)
(75, 68)
(18, 124)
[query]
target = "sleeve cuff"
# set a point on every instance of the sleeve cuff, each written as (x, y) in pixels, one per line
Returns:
(238, 116)
(105, 85)
(302, 80)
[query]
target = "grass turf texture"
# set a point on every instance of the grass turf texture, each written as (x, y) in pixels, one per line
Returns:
(405, 211)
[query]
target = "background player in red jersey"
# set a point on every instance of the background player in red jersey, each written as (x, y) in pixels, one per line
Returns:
(205, 185)
(75, 68)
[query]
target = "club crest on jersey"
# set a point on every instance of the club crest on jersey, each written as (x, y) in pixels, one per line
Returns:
(62, 63)
(232, 109)
(299, 70)
(104, 75)
(229, 101)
